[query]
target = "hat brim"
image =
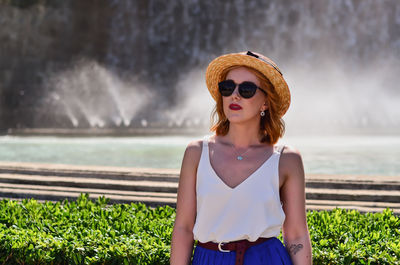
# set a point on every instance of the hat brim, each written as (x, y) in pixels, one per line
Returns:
(218, 65)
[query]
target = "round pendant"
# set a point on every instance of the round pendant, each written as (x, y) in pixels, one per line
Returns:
(239, 158)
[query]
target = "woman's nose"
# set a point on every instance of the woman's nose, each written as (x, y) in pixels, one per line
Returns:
(235, 92)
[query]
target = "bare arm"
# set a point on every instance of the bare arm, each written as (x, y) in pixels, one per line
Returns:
(182, 236)
(295, 230)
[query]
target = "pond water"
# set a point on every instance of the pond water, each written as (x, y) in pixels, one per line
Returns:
(343, 154)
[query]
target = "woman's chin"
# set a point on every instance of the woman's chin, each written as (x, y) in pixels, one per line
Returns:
(238, 119)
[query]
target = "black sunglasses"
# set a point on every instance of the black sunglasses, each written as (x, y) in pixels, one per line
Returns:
(247, 89)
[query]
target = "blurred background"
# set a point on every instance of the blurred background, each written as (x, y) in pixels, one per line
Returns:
(135, 69)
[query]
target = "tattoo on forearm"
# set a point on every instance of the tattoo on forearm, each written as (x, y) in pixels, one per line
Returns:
(295, 248)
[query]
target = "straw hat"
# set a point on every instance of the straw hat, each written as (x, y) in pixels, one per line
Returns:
(253, 60)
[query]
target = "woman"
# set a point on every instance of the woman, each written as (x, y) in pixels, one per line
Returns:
(237, 189)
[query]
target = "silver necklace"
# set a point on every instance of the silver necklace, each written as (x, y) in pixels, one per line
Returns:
(239, 156)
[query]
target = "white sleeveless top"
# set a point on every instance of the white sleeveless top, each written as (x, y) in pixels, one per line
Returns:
(250, 210)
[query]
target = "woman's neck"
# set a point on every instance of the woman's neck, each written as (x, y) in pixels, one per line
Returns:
(242, 136)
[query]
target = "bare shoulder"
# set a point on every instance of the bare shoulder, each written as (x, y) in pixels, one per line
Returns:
(291, 160)
(192, 154)
(290, 152)
(195, 145)
(193, 149)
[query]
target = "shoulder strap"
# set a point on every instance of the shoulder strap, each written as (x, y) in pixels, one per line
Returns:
(280, 148)
(205, 141)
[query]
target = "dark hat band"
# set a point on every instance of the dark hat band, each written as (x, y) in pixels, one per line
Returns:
(258, 57)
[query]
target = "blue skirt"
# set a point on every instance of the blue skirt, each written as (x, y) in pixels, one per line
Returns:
(267, 253)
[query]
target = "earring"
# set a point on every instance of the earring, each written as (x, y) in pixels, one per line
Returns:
(262, 113)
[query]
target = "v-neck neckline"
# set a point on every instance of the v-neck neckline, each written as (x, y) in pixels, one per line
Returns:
(246, 179)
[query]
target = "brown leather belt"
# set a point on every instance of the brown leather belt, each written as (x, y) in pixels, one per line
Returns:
(239, 246)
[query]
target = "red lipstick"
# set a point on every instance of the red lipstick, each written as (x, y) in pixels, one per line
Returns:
(235, 107)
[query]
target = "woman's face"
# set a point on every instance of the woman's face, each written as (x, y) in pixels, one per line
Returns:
(250, 108)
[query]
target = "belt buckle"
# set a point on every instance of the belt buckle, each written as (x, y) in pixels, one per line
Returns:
(220, 247)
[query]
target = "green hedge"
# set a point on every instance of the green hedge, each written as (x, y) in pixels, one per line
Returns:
(92, 232)
(349, 237)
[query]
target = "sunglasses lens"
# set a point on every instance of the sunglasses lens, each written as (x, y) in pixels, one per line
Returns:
(247, 89)
(226, 87)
